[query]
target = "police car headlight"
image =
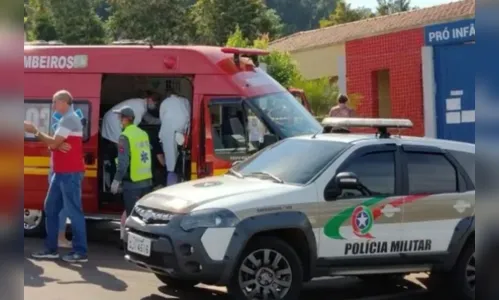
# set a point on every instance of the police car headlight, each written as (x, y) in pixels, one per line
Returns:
(209, 218)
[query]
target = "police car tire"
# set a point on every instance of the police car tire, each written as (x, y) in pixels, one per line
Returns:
(453, 282)
(176, 283)
(457, 277)
(279, 246)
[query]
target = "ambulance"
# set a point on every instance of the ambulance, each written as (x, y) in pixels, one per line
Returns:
(237, 109)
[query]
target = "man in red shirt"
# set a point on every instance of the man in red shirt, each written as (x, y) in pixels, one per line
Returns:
(65, 185)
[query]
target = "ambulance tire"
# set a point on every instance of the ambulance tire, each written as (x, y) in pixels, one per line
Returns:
(38, 231)
(174, 283)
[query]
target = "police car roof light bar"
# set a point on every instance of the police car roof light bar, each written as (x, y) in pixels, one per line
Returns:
(381, 124)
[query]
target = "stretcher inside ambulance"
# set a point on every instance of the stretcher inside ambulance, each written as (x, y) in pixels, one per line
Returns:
(237, 109)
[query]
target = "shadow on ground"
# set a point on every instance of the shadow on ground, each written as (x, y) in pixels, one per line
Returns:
(341, 288)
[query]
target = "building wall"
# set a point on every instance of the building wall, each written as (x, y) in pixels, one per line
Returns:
(400, 54)
(320, 62)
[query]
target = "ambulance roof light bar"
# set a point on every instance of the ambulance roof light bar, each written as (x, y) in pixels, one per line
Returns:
(245, 52)
(381, 124)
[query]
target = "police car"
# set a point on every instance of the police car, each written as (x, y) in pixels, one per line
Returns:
(366, 205)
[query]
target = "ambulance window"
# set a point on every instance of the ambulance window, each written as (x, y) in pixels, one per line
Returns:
(40, 114)
(235, 133)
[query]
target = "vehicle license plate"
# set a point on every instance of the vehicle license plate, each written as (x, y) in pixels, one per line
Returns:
(139, 245)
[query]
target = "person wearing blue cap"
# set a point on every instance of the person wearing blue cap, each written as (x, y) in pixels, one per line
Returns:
(134, 165)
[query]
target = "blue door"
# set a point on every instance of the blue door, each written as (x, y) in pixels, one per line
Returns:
(455, 99)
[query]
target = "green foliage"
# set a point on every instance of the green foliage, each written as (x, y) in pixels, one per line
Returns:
(321, 94)
(237, 39)
(215, 20)
(387, 7)
(344, 13)
(159, 21)
(300, 15)
(40, 22)
(76, 22)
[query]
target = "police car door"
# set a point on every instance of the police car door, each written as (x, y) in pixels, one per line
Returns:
(440, 205)
(363, 220)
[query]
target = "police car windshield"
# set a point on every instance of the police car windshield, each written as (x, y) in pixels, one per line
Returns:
(287, 115)
(294, 161)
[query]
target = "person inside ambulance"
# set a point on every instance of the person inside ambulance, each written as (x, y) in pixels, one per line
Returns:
(112, 128)
(175, 115)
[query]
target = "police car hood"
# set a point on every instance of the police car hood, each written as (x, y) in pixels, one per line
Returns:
(184, 197)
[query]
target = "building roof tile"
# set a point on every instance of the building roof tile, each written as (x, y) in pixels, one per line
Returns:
(375, 26)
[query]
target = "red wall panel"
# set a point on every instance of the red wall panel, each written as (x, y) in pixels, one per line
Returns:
(400, 53)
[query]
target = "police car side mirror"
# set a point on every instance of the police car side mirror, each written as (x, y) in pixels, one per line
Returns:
(347, 181)
(269, 139)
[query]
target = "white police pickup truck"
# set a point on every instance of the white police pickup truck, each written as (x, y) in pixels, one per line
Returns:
(367, 205)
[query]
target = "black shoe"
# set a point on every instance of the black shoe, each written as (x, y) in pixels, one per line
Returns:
(46, 254)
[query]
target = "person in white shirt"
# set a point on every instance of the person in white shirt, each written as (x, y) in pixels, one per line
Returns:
(111, 128)
(175, 115)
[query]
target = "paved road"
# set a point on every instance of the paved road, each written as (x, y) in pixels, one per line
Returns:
(108, 276)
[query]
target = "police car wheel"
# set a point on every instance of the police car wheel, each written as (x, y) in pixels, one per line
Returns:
(176, 283)
(460, 282)
(463, 275)
(268, 268)
(34, 223)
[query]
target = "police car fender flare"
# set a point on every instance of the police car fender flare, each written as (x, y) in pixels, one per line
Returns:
(463, 231)
(252, 226)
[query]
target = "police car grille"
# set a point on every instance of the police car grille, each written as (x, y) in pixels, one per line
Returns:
(152, 216)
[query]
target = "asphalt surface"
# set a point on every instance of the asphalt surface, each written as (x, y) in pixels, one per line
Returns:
(108, 276)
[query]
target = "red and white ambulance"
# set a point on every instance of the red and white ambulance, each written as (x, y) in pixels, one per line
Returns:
(230, 98)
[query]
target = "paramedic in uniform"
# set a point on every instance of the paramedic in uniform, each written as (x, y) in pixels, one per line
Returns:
(174, 113)
(111, 127)
(133, 171)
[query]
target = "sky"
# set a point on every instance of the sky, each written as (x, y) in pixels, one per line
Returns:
(419, 3)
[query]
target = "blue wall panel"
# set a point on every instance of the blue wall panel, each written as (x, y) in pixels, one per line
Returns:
(455, 99)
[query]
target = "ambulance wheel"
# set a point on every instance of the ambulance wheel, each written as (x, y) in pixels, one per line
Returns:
(34, 223)
(267, 267)
(175, 283)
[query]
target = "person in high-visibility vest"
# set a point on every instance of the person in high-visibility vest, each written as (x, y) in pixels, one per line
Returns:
(134, 169)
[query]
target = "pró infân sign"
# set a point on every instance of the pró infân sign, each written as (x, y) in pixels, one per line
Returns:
(55, 62)
(450, 33)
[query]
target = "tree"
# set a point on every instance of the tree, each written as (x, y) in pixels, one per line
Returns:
(321, 94)
(40, 22)
(76, 22)
(280, 65)
(215, 20)
(160, 21)
(344, 13)
(387, 7)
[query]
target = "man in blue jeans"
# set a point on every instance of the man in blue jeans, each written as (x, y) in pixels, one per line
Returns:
(65, 185)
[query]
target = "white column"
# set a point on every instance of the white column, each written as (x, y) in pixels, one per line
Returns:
(342, 74)
(429, 92)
